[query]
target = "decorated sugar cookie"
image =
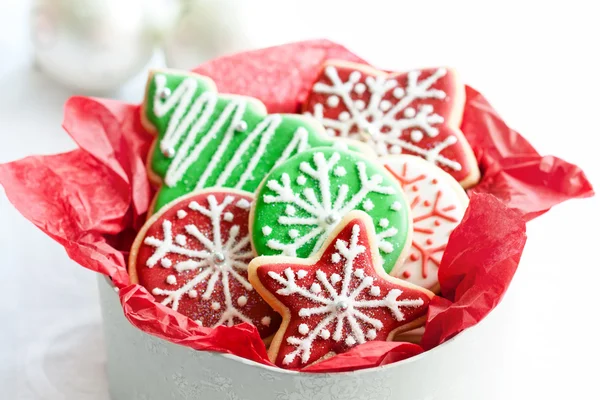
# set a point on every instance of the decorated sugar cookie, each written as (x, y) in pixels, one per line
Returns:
(193, 257)
(205, 139)
(417, 113)
(300, 203)
(336, 299)
(438, 204)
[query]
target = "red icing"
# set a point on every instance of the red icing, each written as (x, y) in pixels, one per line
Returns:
(449, 108)
(197, 308)
(295, 302)
(435, 212)
(406, 274)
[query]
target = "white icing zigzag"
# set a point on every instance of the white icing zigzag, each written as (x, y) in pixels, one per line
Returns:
(326, 213)
(190, 117)
(221, 259)
(385, 129)
(339, 306)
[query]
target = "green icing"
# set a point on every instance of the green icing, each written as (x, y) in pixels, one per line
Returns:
(211, 140)
(303, 199)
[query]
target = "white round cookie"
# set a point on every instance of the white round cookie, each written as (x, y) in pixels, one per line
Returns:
(438, 204)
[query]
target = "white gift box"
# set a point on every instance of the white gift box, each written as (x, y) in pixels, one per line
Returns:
(144, 367)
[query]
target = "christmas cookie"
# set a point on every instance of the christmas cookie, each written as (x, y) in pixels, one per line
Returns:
(417, 113)
(205, 139)
(301, 201)
(193, 256)
(338, 298)
(438, 204)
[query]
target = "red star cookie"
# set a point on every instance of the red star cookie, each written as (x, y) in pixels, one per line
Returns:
(337, 299)
(418, 113)
(193, 256)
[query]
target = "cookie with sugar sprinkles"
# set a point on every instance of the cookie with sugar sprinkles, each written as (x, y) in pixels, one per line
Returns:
(418, 112)
(438, 204)
(206, 139)
(193, 257)
(301, 201)
(337, 299)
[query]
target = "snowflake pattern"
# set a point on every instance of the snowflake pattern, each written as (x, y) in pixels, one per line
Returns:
(194, 259)
(438, 203)
(394, 113)
(315, 190)
(341, 299)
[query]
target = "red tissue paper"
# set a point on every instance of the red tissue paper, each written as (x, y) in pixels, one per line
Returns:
(94, 199)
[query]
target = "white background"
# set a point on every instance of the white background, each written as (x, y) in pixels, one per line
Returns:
(537, 62)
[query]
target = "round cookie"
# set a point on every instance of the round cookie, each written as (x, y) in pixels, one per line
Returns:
(193, 257)
(300, 202)
(438, 204)
(338, 298)
(417, 112)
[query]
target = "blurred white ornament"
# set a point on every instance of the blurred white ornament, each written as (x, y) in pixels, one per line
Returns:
(93, 45)
(206, 29)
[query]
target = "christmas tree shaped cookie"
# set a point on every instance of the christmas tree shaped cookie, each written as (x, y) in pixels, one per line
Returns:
(337, 299)
(206, 139)
(416, 113)
(301, 201)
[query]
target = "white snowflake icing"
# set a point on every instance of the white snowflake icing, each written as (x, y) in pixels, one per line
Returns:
(381, 120)
(339, 305)
(328, 211)
(221, 259)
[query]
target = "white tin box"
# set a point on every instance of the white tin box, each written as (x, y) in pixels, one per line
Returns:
(143, 367)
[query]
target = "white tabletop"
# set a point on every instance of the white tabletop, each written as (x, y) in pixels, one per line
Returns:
(538, 67)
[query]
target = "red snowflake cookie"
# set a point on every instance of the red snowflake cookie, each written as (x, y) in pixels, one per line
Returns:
(337, 299)
(417, 112)
(193, 257)
(438, 204)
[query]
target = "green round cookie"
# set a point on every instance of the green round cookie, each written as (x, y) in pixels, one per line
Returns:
(301, 201)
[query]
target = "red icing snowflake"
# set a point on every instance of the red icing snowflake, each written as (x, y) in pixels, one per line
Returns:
(418, 113)
(338, 299)
(193, 257)
(438, 204)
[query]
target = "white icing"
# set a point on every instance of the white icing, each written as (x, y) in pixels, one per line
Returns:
(171, 280)
(228, 217)
(325, 212)
(359, 273)
(190, 118)
(396, 206)
(339, 171)
(344, 116)
(180, 240)
(301, 273)
(290, 210)
(359, 88)
(333, 101)
(416, 136)
(384, 222)
(368, 205)
(303, 329)
(201, 257)
(339, 307)
(165, 263)
(266, 230)
(266, 321)
(315, 288)
(335, 257)
(293, 233)
(301, 180)
(375, 291)
(181, 214)
(388, 119)
(243, 204)
(242, 301)
(438, 197)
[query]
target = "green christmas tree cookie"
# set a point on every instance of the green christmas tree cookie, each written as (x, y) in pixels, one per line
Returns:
(206, 139)
(302, 200)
